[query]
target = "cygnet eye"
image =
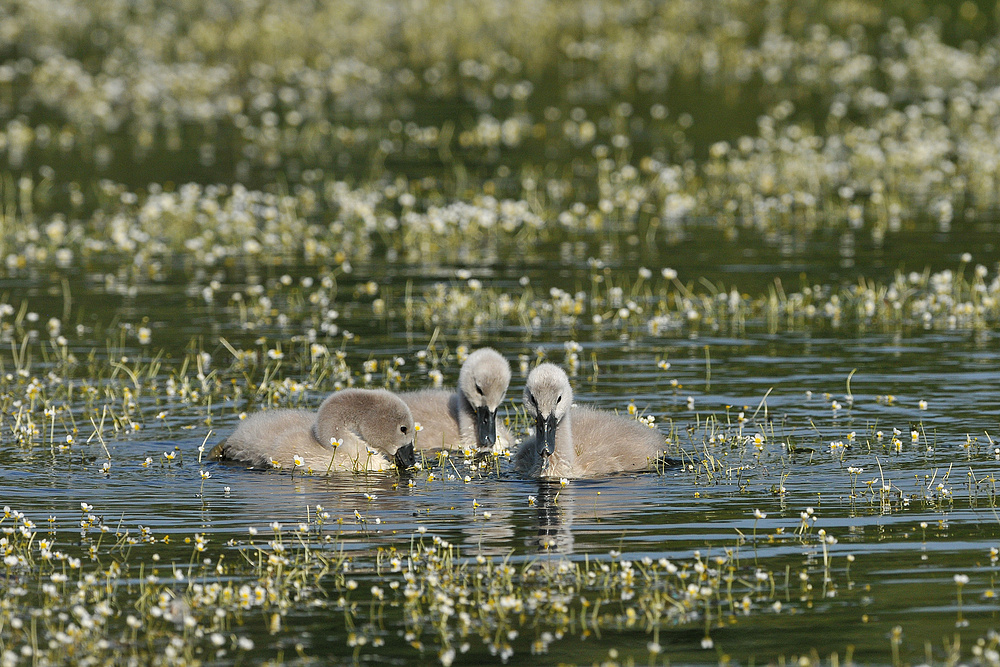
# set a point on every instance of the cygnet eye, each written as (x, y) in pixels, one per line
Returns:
(479, 389)
(559, 398)
(402, 429)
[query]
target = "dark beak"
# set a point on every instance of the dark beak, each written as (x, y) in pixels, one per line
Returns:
(486, 427)
(545, 433)
(405, 458)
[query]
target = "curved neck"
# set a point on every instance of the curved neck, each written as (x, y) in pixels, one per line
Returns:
(339, 416)
(466, 418)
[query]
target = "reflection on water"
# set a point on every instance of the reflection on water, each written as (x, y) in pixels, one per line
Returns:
(555, 507)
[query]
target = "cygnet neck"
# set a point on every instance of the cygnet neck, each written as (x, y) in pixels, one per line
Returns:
(342, 414)
(563, 459)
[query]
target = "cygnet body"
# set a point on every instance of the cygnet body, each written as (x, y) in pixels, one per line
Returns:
(354, 429)
(467, 416)
(573, 441)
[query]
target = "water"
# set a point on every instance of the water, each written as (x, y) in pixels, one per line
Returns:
(783, 384)
(770, 228)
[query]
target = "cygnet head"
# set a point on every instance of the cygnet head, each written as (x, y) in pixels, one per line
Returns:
(547, 398)
(483, 382)
(378, 417)
(393, 424)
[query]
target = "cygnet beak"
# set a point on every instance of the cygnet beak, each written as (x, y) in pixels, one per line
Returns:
(405, 458)
(486, 427)
(545, 433)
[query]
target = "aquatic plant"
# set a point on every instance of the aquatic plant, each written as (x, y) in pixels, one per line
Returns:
(322, 203)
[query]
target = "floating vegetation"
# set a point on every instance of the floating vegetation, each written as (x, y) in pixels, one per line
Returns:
(855, 121)
(766, 230)
(90, 597)
(668, 308)
(193, 599)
